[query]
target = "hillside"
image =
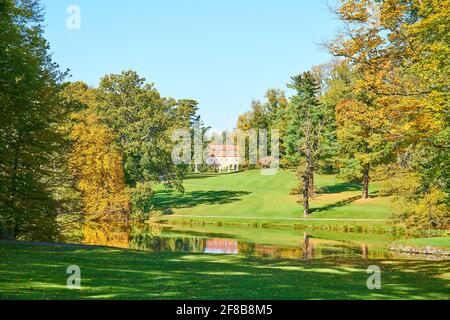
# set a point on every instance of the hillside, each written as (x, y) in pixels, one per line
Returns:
(251, 195)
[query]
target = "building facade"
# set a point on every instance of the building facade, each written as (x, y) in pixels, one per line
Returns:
(224, 157)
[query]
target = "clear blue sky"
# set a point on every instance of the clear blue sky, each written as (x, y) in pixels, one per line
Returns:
(221, 53)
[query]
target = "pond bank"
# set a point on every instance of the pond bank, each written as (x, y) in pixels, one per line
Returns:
(425, 251)
(437, 246)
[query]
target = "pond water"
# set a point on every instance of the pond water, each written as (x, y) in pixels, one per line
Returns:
(255, 242)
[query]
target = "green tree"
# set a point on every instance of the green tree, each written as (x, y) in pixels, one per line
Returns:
(142, 123)
(186, 113)
(267, 115)
(304, 129)
(333, 88)
(31, 135)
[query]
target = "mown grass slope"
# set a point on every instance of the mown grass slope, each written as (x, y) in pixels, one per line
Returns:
(249, 194)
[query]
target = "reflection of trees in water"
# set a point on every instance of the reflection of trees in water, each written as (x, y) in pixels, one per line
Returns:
(351, 250)
(106, 234)
(148, 242)
(306, 251)
(151, 237)
(381, 253)
(151, 229)
(267, 251)
(246, 248)
(308, 247)
(364, 251)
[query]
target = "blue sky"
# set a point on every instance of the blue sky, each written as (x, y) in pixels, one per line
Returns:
(223, 53)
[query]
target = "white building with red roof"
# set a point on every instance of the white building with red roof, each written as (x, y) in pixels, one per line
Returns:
(223, 157)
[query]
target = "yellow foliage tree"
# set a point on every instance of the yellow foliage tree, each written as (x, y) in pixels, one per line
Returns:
(400, 57)
(95, 163)
(98, 169)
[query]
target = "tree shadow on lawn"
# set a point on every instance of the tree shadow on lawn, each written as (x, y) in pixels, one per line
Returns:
(340, 187)
(120, 274)
(336, 204)
(200, 176)
(167, 200)
(207, 175)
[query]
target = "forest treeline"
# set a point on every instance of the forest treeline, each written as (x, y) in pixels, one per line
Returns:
(66, 148)
(379, 111)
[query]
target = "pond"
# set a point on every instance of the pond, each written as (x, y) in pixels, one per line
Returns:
(257, 242)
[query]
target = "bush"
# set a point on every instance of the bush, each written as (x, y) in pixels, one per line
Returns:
(430, 212)
(142, 206)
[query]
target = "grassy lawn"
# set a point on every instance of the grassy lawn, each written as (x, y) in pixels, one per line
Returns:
(250, 195)
(39, 272)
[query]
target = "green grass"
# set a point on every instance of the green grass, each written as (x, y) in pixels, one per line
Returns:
(248, 195)
(39, 272)
(439, 242)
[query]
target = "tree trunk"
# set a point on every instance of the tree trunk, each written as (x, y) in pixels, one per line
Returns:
(310, 170)
(305, 246)
(312, 188)
(306, 207)
(366, 180)
(306, 184)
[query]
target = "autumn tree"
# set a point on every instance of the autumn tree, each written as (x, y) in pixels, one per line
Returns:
(95, 161)
(401, 65)
(362, 146)
(359, 127)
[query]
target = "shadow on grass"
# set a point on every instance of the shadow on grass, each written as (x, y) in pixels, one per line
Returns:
(200, 176)
(167, 200)
(207, 175)
(341, 187)
(38, 272)
(336, 204)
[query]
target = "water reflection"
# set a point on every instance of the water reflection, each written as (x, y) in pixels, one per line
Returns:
(221, 246)
(308, 247)
(364, 251)
(161, 238)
